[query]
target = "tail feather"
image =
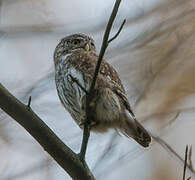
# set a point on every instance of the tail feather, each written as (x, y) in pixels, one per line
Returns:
(132, 128)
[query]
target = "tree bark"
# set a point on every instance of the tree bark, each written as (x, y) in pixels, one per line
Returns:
(63, 155)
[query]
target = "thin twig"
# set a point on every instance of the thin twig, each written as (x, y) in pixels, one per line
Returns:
(29, 102)
(104, 43)
(89, 96)
(116, 35)
(190, 157)
(168, 148)
(185, 163)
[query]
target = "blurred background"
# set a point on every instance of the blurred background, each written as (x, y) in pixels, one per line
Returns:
(154, 56)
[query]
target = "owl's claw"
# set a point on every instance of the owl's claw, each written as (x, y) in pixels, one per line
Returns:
(90, 124)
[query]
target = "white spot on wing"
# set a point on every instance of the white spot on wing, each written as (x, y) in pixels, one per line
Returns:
(63, 58)
(76, 74)
(79, 77)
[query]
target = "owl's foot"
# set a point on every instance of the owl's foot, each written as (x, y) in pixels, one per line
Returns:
(91, 124)
(83, 120)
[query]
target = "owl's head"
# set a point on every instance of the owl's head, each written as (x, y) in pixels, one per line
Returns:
(75, 42)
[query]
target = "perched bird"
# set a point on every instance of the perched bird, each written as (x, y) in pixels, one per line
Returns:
(75, 60)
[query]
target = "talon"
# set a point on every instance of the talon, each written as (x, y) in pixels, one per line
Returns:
(91, 124)
(92, 104)
(83, 120)
(81, 123)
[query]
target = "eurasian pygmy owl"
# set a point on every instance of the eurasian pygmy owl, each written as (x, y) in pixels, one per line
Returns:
(75, 58)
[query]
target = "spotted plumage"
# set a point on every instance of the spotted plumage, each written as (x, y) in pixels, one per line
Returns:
(75, 57)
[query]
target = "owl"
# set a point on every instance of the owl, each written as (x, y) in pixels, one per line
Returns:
(75, 60)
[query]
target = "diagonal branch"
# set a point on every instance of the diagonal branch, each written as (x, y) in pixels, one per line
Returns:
(63, 155)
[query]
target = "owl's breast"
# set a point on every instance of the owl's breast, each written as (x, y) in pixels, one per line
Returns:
(69, 92)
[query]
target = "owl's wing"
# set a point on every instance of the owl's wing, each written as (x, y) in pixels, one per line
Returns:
(124, 99)
(85, 63)
(129, 126)
(115, 84)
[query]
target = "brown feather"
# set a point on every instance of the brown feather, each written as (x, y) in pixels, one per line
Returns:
(110, 106)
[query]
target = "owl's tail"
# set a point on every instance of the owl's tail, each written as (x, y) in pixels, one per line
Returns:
(132, 128)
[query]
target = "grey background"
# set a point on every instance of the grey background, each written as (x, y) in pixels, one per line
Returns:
(154, 56)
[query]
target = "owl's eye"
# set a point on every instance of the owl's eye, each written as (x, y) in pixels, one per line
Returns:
(76, 42)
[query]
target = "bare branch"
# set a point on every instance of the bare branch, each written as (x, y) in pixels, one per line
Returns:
(168, 148)
(63, 155)
(116, 35)
(86, 134)
(185, 163)
(29, 102)
(104, 43)
(89, 96)
(190, 158)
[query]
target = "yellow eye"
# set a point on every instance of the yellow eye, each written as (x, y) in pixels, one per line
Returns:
(75, 42)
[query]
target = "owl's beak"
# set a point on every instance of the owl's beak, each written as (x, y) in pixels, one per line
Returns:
(87, 47)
